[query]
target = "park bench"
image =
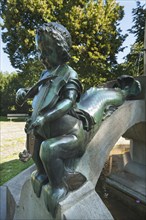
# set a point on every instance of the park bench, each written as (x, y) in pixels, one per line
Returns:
(16, 116)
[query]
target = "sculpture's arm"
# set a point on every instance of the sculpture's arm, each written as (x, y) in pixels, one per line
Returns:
(60, 109)
(62, 106)
(21, 95)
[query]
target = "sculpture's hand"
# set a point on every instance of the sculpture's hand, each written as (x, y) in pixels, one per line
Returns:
(28, 125)
(39, 122)
(20, 96)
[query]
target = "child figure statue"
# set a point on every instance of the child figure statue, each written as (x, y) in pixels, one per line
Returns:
(63, 122)
(58, 135)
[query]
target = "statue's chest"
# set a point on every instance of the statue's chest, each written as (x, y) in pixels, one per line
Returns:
(41, 96)
(46, 98)
(49, 94)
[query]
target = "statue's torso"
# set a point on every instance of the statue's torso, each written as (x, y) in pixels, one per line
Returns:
(60, 126)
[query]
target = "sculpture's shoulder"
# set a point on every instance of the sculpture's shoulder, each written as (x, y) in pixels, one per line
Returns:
(73, 82)
(72, 72)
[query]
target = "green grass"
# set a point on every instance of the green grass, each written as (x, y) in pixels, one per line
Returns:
(3, 118)
(10, 165)
(11, 168)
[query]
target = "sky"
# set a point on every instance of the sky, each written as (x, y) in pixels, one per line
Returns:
(125, 24)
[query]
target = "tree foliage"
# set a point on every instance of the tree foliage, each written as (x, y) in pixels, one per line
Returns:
(9, 84)
(134, 64)
(94, 27)
(139, 22)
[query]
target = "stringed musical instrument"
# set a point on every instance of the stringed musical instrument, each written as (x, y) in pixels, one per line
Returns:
(46, 98)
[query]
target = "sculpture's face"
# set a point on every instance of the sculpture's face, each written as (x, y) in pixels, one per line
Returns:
(47, 50)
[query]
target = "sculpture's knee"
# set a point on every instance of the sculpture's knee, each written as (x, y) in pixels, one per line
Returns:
(46, 151)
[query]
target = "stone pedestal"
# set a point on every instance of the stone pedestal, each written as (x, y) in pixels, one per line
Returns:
(20, 202)
(81, 204)
(130, 176)
(29, 206)
(136, 160)
(84, 203)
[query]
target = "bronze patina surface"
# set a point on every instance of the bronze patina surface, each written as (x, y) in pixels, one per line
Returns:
(64, 120)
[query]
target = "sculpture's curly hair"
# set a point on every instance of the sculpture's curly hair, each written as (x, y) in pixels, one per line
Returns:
(61, 36)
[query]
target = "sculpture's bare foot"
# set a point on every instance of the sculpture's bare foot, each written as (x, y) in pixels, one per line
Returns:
(131, 86)
(52, 196)
(38, 180)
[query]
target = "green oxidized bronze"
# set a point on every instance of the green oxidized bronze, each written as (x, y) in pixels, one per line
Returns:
(64, 120)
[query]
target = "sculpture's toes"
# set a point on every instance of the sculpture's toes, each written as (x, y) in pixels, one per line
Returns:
(125, 80)
(52, 196)
(131, 86)
(38, 180)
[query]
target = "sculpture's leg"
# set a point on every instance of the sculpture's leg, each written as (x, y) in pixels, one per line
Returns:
(53, 153)
(38, 177)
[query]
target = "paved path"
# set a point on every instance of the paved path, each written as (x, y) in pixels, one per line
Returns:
(12, 139)
(11, 129)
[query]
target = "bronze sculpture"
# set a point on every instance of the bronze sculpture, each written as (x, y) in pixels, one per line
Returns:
(64, 120)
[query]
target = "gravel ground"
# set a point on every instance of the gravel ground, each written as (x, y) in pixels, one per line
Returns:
(11, 130)
(12, 139)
